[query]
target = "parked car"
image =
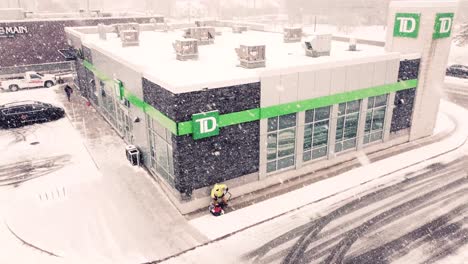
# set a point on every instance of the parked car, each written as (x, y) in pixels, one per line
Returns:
(27, 80)
(457, 70)
(28, 112)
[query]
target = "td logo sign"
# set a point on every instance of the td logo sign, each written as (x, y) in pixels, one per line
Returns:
(205, 125)
(443, 25)
(406, 25)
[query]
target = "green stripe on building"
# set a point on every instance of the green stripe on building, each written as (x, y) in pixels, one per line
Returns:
(136, 101)
(185, 128)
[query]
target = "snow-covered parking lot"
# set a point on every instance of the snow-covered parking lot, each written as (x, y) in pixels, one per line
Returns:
(68, 196)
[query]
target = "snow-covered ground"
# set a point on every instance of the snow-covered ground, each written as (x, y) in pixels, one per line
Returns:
(412, 203)
(80, 199)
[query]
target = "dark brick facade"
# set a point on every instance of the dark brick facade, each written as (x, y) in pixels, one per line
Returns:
(44, 38)
(231, 154)
(404, 100)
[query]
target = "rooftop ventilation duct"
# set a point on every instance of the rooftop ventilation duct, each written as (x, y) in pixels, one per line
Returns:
(102, 31)
(129, 38)
(292, 34)
(318, 45)
(204, 35)
(239, 29)
(251, 56)
(186, 49)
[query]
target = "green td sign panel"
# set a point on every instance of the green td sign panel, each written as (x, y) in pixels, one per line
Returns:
(406, 25)
(442, 25)
(205, 125)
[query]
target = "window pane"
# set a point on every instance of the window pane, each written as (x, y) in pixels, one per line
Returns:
(272, 124)
(321, 133)
(169, 137)
(348, 144)
(271, 146)
(351, 126)
(366, 138)
(309, 116)
(319, 153)
(380, 100)
(376, 136)
(368, 121)
(378, 119)
(370, 102)
(161, 153)
(287, 121)
(171, 161)
(307, 137)
(342, 109)
(307, 156)
(338, 147)
(339, 128)
(286, 162)
(271, 166)
(322, 113)
(353, 107)
(286, 142)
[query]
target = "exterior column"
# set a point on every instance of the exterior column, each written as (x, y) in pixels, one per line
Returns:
(300, 139)
(388, 116)
(332, 131)
(361, 124)
(262, 171)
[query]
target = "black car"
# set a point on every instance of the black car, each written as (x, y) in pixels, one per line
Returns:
(28, 112)
(457, 70)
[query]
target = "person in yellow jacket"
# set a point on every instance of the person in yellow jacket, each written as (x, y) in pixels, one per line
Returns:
(218, 194)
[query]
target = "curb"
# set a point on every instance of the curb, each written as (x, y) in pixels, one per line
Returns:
(452, 149)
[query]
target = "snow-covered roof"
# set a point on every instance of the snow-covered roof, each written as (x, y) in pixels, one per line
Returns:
(218, 65)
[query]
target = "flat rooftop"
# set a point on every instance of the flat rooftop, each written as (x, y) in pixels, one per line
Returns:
(218, 65)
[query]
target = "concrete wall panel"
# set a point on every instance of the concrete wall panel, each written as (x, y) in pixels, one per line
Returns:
(380, 73)
(352, 78)
(322, 83)
(270, 87)
(338, 80)
(288, 88)
(306, 85)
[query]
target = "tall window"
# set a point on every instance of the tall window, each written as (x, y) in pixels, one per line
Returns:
(347, 125)
(281, 142)
(316, 133)
(108, 102)
(375, 117)
(160, 140)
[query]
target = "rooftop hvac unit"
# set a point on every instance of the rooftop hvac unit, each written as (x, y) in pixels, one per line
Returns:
(102, 31)
(126, 26)
(318, 45)
(186, 49)
(129, 38)
(204, 35)
(292, 34)
(251, 56)
(239, 29)
(205, 23)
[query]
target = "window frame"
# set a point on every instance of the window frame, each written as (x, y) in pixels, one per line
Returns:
(312, 123)
(346, 121)
(277, 132)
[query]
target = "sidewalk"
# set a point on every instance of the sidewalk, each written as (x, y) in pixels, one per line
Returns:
(344, 185)
(123, 217)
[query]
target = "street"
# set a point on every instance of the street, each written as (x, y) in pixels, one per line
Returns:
(422, 218)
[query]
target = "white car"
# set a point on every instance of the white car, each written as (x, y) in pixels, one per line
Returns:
(27, 80)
